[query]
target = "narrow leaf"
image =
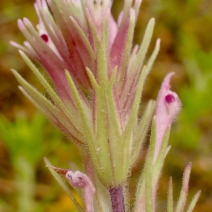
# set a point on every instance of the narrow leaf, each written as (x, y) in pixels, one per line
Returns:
(184, 190)
(158, 163)
(194, 201)
(141, 131)
(47, 107)
(170, 206)
(128, 132)
(141, 185)
(86, 124)
(153, 56)
(150, 204)
(144, 46)
(70, 117)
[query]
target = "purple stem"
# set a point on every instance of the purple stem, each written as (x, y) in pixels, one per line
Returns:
(117, 199)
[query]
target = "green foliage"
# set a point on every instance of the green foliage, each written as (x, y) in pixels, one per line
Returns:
(24, 138)
(196, 97)
(25, 142)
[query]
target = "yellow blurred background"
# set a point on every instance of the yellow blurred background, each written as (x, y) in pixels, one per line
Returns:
(185, 29)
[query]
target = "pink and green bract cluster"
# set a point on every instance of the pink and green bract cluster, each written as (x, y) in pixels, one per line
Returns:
(97, 75)
(98, 78)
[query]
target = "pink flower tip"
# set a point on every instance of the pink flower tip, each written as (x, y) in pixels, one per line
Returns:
(168, 102)
(81, 180)
(26, 21)
(168, 105)
(21, 25)
(77, 179)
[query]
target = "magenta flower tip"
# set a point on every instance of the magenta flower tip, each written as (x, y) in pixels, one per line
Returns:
(169, 98)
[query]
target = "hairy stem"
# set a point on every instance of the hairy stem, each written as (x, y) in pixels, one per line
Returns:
(117, 199)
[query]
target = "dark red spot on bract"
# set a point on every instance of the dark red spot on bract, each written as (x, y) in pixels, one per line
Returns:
(169, 98)
(45, 37)
(60, 171)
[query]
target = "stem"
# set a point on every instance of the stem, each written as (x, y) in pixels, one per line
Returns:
(117, 199)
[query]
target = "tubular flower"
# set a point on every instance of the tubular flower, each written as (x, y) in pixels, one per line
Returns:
(167, 107)
(97, 75)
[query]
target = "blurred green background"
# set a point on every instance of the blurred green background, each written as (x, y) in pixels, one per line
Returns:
(185, 28)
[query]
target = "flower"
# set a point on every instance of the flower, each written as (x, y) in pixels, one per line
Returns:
(97, 77)
(81, 180)
(167, 107)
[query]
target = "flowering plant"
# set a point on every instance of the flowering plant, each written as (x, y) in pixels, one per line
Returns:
(98, 79)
